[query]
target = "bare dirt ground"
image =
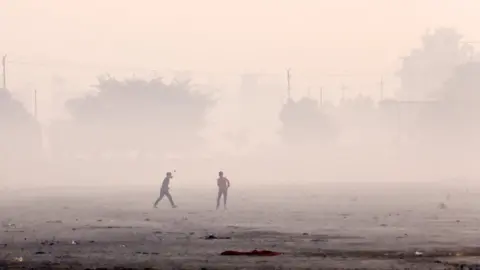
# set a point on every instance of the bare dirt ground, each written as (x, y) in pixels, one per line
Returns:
(326, 226)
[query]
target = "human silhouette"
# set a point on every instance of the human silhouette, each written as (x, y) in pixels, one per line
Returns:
(223, 185)
(165, 191)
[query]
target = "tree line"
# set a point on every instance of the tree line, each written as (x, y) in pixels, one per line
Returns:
(155, 117)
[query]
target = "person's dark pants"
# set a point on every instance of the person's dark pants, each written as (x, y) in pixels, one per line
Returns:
(222, 192)
(164, 193)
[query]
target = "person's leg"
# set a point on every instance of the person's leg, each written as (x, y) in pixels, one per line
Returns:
(225, 193)
(159, 199)
(218, 197)
(169, 196)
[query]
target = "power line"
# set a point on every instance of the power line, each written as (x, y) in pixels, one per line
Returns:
(78, 65)
(381, 88)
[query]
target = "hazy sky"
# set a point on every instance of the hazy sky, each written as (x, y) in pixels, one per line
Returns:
(222, 37)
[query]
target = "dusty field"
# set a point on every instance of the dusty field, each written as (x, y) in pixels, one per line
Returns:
(362, 226)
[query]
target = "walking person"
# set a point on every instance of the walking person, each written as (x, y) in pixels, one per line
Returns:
(165, 191)
(223, 185)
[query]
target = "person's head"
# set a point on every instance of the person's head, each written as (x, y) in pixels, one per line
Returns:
(169, 175)
(220, 173)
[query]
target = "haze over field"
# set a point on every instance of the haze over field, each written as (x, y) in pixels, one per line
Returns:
(376, 91)
(374, 94)
(347, 129)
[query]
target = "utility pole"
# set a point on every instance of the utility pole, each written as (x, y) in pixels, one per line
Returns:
(35, 103)
(4, 73)
(288, 84)
(381, 89)
(321, 96)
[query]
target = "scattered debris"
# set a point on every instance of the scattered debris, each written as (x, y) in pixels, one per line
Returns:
(319, 240)
(8, 225)
(74, 242)
(116, 227)
(213, 237)
(55, 221)
(418, 253)
(250, 253)
(18, 259)
(48, 243)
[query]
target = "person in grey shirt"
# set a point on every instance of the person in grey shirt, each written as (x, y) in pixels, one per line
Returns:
(165, 191)
(223, 185)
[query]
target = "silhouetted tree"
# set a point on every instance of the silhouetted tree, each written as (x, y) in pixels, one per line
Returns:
(458, 108)
(138, 115)
(425, 69)
(304, 122)
(463, 88)
(20, 134)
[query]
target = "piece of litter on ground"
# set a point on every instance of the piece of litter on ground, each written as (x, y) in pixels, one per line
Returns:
(418, 253)
(213, 237)
(74, 242)
(18, 259)
(250, 253)
(55, 221)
